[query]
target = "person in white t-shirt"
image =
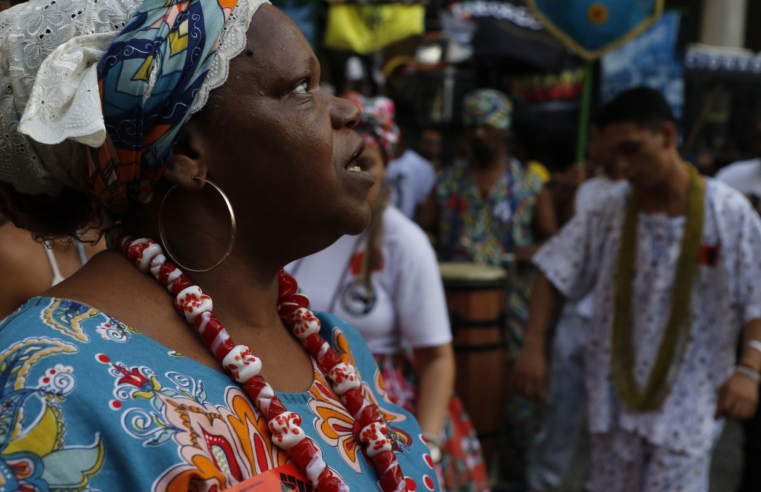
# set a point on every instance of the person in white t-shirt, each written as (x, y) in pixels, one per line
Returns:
(386, 283)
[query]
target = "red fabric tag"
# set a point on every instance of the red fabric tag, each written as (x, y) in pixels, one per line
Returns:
(284, 478)
(709, 254)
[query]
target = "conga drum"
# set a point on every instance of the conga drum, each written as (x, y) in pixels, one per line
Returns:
(476, 298)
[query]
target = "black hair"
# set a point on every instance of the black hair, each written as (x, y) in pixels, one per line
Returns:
(643, 106)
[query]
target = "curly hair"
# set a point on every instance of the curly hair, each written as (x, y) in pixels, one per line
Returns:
(62, 217)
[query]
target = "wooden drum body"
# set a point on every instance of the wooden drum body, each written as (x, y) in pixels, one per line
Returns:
(476, 297)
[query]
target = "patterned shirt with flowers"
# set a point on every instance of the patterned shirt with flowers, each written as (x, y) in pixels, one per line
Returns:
(486, 230)
(88, 403)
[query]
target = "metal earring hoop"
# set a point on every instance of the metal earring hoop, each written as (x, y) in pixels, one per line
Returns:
(233, 229)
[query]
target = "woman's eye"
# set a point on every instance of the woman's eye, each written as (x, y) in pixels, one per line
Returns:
(301, 88)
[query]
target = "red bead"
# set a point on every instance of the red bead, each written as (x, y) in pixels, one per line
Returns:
(253, 387)
(392, 477)
(353, 401)
(276, 408)
(164, 272)
(291, 304)
(383, 461)
(313, 343)
(287, 286)
(369, 415)
(330, 484)
(327, 480)
(213, 328)
(224, 349)
(331, 360)
(180, 284)
(303, 452)
(326, 475)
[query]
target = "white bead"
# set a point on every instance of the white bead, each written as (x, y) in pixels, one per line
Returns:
(264, 399)
(374, 435)
(242, 364)
(285, 429)
(156, 264)
(344, 378)
(303, 323)
(173, 275)
(193, 303)
(144, 262)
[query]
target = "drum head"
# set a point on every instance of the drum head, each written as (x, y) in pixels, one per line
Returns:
(471, 276)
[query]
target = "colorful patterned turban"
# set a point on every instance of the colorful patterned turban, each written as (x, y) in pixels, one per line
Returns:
(152, 63)
(377, 125)
(487, 107)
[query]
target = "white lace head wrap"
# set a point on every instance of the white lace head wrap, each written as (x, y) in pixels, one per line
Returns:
(50, 107)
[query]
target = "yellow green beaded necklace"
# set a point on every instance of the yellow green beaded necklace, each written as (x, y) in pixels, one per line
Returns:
(674, 342)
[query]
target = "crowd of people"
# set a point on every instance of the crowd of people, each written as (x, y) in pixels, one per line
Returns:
(630, 310)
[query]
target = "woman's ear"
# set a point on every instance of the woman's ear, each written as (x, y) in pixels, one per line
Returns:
(189, 158)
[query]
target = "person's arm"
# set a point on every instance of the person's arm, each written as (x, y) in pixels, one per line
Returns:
(569, 265)
(738, 397)
(545, 225)
(436, 369)
(529, 377)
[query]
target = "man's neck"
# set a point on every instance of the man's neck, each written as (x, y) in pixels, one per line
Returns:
(488, 174)
(670, 195)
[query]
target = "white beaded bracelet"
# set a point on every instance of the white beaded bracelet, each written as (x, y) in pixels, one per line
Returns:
(748, 372)
(754, 344)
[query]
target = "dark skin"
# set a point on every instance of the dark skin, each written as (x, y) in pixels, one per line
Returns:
(278, 146)
(26, 269)
(489, 161)
(652, 164)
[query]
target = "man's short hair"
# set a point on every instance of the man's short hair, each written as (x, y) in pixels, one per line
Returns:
(643, 106)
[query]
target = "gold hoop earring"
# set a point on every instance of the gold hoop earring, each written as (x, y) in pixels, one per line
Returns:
(233, 229)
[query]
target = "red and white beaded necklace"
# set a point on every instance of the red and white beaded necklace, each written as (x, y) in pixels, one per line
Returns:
(292, 307)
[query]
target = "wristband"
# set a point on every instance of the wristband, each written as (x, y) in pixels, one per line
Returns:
(755, 376)
(754, 344)
(433, 448)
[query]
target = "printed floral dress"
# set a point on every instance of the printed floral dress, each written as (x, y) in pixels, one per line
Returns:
(87, 403)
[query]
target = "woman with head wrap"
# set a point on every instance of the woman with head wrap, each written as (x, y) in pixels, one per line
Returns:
(386, 283)
(107, 115)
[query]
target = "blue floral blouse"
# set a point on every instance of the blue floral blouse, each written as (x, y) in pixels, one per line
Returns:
(88, 403)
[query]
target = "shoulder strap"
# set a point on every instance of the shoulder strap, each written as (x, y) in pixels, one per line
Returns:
(57, 277)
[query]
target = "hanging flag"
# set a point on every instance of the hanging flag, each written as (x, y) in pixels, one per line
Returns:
(592, 27)
(365, 29)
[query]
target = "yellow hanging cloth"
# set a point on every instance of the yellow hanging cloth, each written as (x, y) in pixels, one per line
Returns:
(365, 29)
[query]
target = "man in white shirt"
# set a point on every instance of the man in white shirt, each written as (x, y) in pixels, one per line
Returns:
(745, 176)
(672, 261)
(412, 176)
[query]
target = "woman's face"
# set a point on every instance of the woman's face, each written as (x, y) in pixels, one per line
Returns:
(282, 148)
(372, 161)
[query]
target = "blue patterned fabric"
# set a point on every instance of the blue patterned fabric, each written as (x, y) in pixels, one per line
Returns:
(149, 79)
(89, 403)
(594, 25)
